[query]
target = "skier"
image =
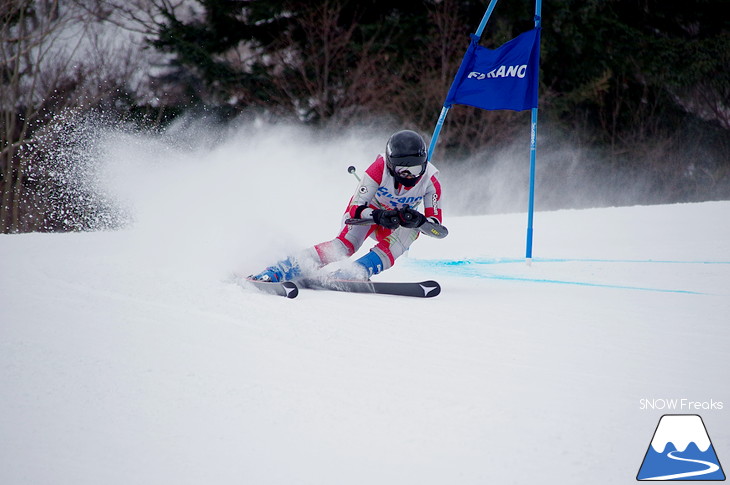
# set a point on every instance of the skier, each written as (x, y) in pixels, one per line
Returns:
(392, 188)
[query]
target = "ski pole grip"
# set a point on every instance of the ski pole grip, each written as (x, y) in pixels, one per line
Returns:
(351, 169)
(359, 222)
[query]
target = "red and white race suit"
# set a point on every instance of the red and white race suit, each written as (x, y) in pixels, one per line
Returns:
(379, 190)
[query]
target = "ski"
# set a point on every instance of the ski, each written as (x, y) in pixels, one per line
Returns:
(422, 289)
(429, 228)
(285, 288)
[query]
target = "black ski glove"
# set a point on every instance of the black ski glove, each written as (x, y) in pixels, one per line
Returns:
(410, 218)
(386, 218)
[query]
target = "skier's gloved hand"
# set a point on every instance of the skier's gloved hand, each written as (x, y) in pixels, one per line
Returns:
(386, 218)
(410, 218)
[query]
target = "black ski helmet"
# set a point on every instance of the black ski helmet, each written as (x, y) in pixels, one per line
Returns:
(406, 148)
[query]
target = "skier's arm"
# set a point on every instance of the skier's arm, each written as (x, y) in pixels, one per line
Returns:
(366, 190)
(432, 201)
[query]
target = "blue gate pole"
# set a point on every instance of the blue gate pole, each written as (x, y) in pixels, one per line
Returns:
(437, 130)
(531, 201)
(445, 109)
(533, 153)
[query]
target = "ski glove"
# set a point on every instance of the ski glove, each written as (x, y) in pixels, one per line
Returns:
(410, 218)
(386, 218)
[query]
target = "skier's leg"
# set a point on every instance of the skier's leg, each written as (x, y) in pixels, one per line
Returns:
(391, 245)
(347, 242)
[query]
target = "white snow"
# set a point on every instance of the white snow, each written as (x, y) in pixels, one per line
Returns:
(129, 356)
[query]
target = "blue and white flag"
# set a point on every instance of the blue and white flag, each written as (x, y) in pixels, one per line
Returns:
(502, 78)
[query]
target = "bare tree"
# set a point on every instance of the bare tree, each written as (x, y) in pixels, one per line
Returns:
(336, 75)
(25, 29)
(467, 129)
(53, 57)
(709, 100)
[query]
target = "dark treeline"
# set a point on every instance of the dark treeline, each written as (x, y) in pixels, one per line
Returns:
(639, 87)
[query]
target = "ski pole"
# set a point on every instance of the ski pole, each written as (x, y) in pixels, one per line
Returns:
(428, 228)
(351, 169)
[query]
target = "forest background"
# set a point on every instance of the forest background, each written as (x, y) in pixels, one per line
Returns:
(630, 90)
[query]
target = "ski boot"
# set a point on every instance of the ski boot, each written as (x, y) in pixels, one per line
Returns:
(285, 270)
(361, 269)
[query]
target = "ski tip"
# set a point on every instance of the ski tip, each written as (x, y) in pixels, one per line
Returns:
(291, 289)
(430, 288)
(288, 289)
(434, 230)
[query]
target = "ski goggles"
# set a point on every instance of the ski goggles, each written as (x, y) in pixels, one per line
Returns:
(409, 172)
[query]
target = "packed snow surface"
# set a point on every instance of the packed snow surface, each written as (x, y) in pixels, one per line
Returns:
(130, 356)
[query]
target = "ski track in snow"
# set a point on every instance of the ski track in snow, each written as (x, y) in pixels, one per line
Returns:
(160, 369)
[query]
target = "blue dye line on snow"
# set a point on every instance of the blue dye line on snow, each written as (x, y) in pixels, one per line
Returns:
(459, 262)
(462, 268)
(582, 283)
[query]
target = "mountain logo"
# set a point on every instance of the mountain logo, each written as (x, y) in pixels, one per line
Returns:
(681, 450)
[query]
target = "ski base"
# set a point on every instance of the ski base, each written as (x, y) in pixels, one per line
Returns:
(422, 289)
(287, 289)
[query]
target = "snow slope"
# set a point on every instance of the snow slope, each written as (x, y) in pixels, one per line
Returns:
(129, 356)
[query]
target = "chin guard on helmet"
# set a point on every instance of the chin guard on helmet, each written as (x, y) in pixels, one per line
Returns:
(405, 155)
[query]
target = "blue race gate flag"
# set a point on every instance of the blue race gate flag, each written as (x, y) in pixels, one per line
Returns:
(503, 78)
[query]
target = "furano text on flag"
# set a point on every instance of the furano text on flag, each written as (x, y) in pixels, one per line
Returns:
(502, 78)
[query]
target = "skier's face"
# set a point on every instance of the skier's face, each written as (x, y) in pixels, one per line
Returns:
(409, 172)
